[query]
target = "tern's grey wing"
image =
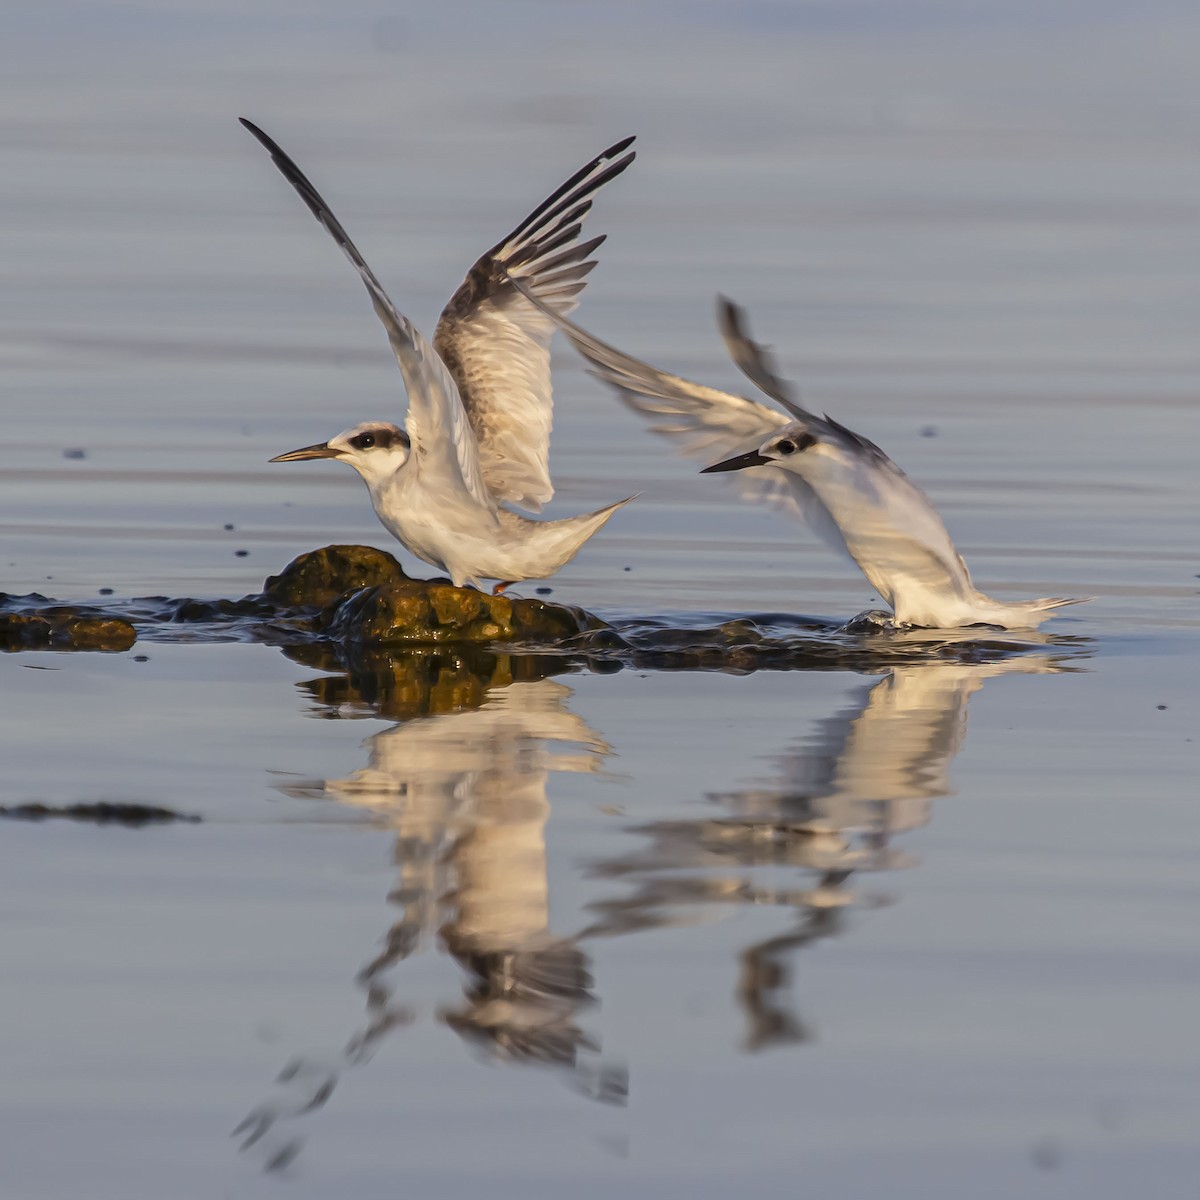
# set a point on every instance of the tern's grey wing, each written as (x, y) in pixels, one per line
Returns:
(708, 423)
(497, 345)
(441, 435)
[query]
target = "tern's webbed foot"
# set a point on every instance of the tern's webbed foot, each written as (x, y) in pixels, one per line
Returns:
(874, 620)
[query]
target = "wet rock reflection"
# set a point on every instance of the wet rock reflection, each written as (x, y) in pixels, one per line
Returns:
(403, 685)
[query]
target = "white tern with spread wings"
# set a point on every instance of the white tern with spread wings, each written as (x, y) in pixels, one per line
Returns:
(480, 407)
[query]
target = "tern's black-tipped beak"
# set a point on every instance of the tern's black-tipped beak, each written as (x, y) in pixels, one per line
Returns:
(753, 459)
(324, 450)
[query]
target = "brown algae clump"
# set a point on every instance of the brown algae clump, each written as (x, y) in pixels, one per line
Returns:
(418, 613)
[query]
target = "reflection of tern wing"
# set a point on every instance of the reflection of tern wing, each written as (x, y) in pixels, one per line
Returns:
(466, 792)
(812, 768)
(540, 708)
(881, 763)
(451, 755)
(901, 746)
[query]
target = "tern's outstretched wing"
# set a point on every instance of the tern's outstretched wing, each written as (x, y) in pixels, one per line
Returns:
(437, 424)
(710, 424)
(497, 346)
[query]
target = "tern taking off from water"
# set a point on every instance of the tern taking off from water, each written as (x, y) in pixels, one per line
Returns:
(852, 495)
(479, 399)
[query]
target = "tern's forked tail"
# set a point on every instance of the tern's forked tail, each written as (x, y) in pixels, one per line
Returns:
(945, 611)
(588, 523)
(537, 549)
(1030, 614)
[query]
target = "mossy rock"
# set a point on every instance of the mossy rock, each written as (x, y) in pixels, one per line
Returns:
(60, 629)
(418, 613)
(320, 577)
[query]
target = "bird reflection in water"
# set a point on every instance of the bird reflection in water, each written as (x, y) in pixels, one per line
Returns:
(464, 790)
(462, 778)
(465, 793)
(831, 808)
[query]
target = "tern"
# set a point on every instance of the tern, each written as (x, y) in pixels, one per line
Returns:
(480, 407)
(854, 497)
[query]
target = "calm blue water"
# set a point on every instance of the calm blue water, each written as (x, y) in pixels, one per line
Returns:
(929, 929)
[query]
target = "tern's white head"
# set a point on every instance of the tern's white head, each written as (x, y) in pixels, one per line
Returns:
(375, 449)
(782, 447)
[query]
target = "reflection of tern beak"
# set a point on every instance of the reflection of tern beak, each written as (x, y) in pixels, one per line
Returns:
(753, 459)
(324, 450)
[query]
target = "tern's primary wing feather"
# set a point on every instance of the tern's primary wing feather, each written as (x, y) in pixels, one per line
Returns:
(757, 364)
(708, 423)
(442, 438)
(497, 346)
(752, 359)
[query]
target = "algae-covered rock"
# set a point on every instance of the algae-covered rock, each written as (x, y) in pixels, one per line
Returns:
(320, 577)
(61, 629)
(417, 613)
(355, 595)
(370, 601)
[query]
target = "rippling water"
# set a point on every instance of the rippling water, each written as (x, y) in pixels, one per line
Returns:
(454, 923)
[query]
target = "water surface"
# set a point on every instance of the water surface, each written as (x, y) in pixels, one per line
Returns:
(462, 923)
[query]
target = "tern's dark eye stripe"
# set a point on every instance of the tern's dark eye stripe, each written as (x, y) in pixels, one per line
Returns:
(794, 445)
(384, 439)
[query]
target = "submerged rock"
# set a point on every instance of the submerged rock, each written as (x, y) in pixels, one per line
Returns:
(61, 628)
(106, 812)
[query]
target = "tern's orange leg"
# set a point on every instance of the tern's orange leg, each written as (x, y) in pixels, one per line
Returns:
(500, 588)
